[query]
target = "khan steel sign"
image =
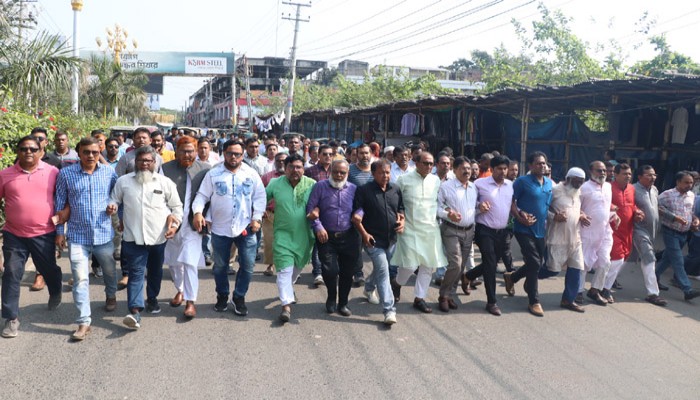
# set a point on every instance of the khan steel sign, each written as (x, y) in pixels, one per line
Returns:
(172, 63)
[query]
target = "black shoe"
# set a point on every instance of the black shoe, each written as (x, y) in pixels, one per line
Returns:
(358, 281)
(239, 307)
(396, 290)
(221, 303)
(656, 300)
(344, 311)
(674, 282)
(616, 285)
(208, 261)
(579, 299)
(605, 293)
(438, 281)
(476, 282)
(258, 257)
(331, 307)
(691, 294)
(152, 306)
(662, 286)
(594, 295)
(421, 305)
(231, 271)
(54, 301)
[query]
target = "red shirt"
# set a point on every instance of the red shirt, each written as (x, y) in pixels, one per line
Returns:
(623, 199)
(29, 199)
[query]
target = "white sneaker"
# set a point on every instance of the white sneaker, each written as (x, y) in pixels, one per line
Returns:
(696, 277)
(131, 321)
(372, 297)
(11, 328)
(390, 318)
(318, 280)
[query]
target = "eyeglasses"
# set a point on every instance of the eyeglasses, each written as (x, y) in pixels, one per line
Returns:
(327, 154)
(28, 149)
(149, 161)
(427, 163)
(39, 138)
(90, 152)
(232, 154)
(113, 146)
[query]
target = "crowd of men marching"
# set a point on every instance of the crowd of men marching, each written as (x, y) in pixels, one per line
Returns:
(170, 199)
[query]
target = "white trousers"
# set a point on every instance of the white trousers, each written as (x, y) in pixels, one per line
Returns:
(186, 280)
(615, 268)
(422, 280)
(285, 283)
(601, 267)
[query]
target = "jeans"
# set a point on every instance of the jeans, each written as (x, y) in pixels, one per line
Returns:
(205, 245)
(673, 254)
(79, 259)
(316, 268)
(380, 276)
(246, 246)
(692, 260)
(16, 250)
(338, 258)
(533, 251)
(572, 280)
(492, 244)
(144, 261)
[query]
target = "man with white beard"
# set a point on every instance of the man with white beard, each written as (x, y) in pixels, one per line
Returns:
(563, 237)
(183, 253)
(151, 213)
(330, 209)
(596, 231)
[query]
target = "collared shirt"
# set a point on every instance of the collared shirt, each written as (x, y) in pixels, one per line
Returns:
(335, 206)
(453, 196)
(71, 157)
(317, 172)
(647, 200)
(235, 199)
(499, 196)
(88, 196)
(29, 199)
(449, 175)
(534, 198)
(266, 180)
(674, 204)
(485, 174)
(167, 155)
(146, 207)
(379, 209)
(396, 171)
(595, 203)
(358, 176)
(127, 163)
(258, 163)
(269, 167)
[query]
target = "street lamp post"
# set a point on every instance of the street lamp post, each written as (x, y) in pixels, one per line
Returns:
(77, 6)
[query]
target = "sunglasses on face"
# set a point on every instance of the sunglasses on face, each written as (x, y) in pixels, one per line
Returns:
(28, 149)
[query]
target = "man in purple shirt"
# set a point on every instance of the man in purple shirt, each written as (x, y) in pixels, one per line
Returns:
(318, 172)
(330, 209)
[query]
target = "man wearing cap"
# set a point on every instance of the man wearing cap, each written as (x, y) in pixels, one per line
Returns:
(563, 235)
(389, 153)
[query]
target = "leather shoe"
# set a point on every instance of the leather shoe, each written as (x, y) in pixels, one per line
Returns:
(285, 315)
(443, 304)
(110, 304)
(691, 294)
(594, 295)
(121, 285)
(510, 286)
(605, 293)
(269, 271)
(465, 284)
(536, 310)
(451, 303)
(39, 283)
(344, 311)
(421, 305)
(81, 333)
(662, 286)
(190, 311)
(331, 306)
(572, 306)
(656, 300)
(473, 284)
(177, 300)
(396, 290)
(493, 309)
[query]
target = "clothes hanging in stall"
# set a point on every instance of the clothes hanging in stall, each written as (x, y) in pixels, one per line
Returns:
(679, 121)
(408, 124)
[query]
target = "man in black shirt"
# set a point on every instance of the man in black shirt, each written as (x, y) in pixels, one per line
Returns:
(379, 216)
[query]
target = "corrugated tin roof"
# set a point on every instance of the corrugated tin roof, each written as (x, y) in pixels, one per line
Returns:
(551, 100)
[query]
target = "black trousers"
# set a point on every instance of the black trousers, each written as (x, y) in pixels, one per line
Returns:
(338, 258)
(492, 245)
(533, 250)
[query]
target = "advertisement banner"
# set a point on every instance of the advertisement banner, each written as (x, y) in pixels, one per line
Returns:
(172, 63)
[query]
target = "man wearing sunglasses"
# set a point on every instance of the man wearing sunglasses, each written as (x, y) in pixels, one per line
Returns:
(29, 184)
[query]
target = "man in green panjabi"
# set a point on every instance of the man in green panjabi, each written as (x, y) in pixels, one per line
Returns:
(293, 240)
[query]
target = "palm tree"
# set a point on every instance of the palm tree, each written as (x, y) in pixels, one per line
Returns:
(111, 87)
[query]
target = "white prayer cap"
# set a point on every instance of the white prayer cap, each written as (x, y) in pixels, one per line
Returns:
(576, 172)
(388, 149)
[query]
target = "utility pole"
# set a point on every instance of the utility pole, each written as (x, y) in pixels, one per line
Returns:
(77, 6)
(249, 101)
(234, 99)
(290, 91)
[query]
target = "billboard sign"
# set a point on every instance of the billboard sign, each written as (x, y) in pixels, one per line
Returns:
(172, 63)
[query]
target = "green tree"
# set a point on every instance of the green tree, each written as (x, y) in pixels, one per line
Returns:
(111, 87)
(666, 62)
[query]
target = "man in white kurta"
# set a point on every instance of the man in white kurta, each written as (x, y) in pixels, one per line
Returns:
(420, 245)
(596, 230)
(563, 237)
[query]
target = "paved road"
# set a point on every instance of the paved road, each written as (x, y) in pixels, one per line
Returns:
(629, 350)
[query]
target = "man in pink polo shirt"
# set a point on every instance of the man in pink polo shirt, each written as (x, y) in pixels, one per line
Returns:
(28, 189)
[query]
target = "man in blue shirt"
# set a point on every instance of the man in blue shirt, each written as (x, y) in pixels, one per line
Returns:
(532, 195)
(86, 187)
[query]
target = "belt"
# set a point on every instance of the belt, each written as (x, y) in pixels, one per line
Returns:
(338, 234)
(498, 231)
(459, 228)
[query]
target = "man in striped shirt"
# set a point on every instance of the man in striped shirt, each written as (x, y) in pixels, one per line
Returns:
(86, 187)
